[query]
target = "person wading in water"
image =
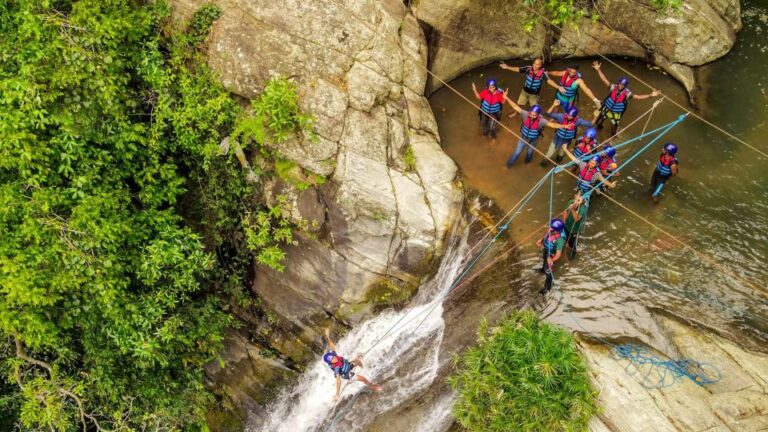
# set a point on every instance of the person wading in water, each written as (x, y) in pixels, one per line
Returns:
(343, 368)
(530, 131)
(665, 169)
(615, 103)
(552, 248)
(491, 102)
(573, 216)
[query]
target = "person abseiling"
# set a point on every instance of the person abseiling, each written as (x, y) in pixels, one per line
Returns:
(573, 216)
(343, 368)
(666, 167)
(530, 131)
(589, 174)
(564, 135)
(535, 75)
(568, 88)
(552, 247)
(491, 102)
(615, 103)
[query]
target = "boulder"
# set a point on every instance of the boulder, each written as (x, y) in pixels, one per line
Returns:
(471, 33)
(735, 403)
(467, 34)
(360, 66)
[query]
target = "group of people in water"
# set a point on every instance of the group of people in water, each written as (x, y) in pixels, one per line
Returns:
(594, 167)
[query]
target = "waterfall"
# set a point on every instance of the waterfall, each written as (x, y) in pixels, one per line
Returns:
(405, 362)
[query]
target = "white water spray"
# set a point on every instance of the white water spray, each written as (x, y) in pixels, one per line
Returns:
(405, 362)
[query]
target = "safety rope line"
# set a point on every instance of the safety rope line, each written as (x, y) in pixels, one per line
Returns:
(551, 174)
(711, 261)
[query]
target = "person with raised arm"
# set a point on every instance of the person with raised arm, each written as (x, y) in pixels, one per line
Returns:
(343, 368)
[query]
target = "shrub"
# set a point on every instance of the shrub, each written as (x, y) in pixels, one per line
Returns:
(525, 375)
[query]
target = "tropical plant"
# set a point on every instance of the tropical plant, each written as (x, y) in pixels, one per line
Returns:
(121, 221)
(525, 375)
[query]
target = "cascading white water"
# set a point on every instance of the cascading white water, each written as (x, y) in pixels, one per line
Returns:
(405, 362)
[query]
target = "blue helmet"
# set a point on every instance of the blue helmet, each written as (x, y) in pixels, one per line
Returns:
(610, 151)
(536, 109)
(596, 158)
(670, 148)
(590, 133)
(328, 357)
(624, 81)
(557, 224)
(490, 82)
(572, 112)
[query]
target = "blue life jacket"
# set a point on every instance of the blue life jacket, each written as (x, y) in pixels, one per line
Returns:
(530, 130)
(550, 242)
(583, 147)
(664, 166)
(567, 133)
(533, 81)
(587, 177)
(571, 88)
(616, 102)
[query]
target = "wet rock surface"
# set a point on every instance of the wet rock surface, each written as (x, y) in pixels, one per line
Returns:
(738, 402)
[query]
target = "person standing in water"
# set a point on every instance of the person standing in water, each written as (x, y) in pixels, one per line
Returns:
(530, 131)
(491, 102)
(343, 368)
(551, 245)
(589, 174)
(563, 137)
(585, 145)
(568, 89)
(665, 169)
(573, 216)
(535, 76)
(615, 103)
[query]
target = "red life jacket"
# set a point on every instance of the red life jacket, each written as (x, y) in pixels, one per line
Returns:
(584, 146)
(566, 80)
(605, 162)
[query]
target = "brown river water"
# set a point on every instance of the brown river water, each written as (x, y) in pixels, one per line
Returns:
(718, 204)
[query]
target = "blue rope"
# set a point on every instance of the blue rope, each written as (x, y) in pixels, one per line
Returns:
(660, 372)
(668, 126)
(638, 153)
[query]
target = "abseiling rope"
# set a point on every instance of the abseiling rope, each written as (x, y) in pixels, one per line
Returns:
(723, 269)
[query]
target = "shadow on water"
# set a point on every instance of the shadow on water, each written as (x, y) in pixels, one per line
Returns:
(718, 204)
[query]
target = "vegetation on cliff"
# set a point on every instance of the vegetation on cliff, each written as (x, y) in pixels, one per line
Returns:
(125, 231)
(524, 375)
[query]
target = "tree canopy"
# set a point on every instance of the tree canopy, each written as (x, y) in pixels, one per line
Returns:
(117, 212)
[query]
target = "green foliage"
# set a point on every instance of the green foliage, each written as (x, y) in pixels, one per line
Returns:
(559, 12)
(409, 157)
(122, 225)
(266, 230)
(525, 375)
(667, 5)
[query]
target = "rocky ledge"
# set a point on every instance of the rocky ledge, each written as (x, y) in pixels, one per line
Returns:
(738, 402)
(469, 33)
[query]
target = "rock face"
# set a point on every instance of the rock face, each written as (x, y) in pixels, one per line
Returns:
(470, 33)
(389, 196)
(736, 403)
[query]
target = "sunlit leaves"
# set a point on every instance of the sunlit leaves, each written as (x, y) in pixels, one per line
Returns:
(525, 375)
